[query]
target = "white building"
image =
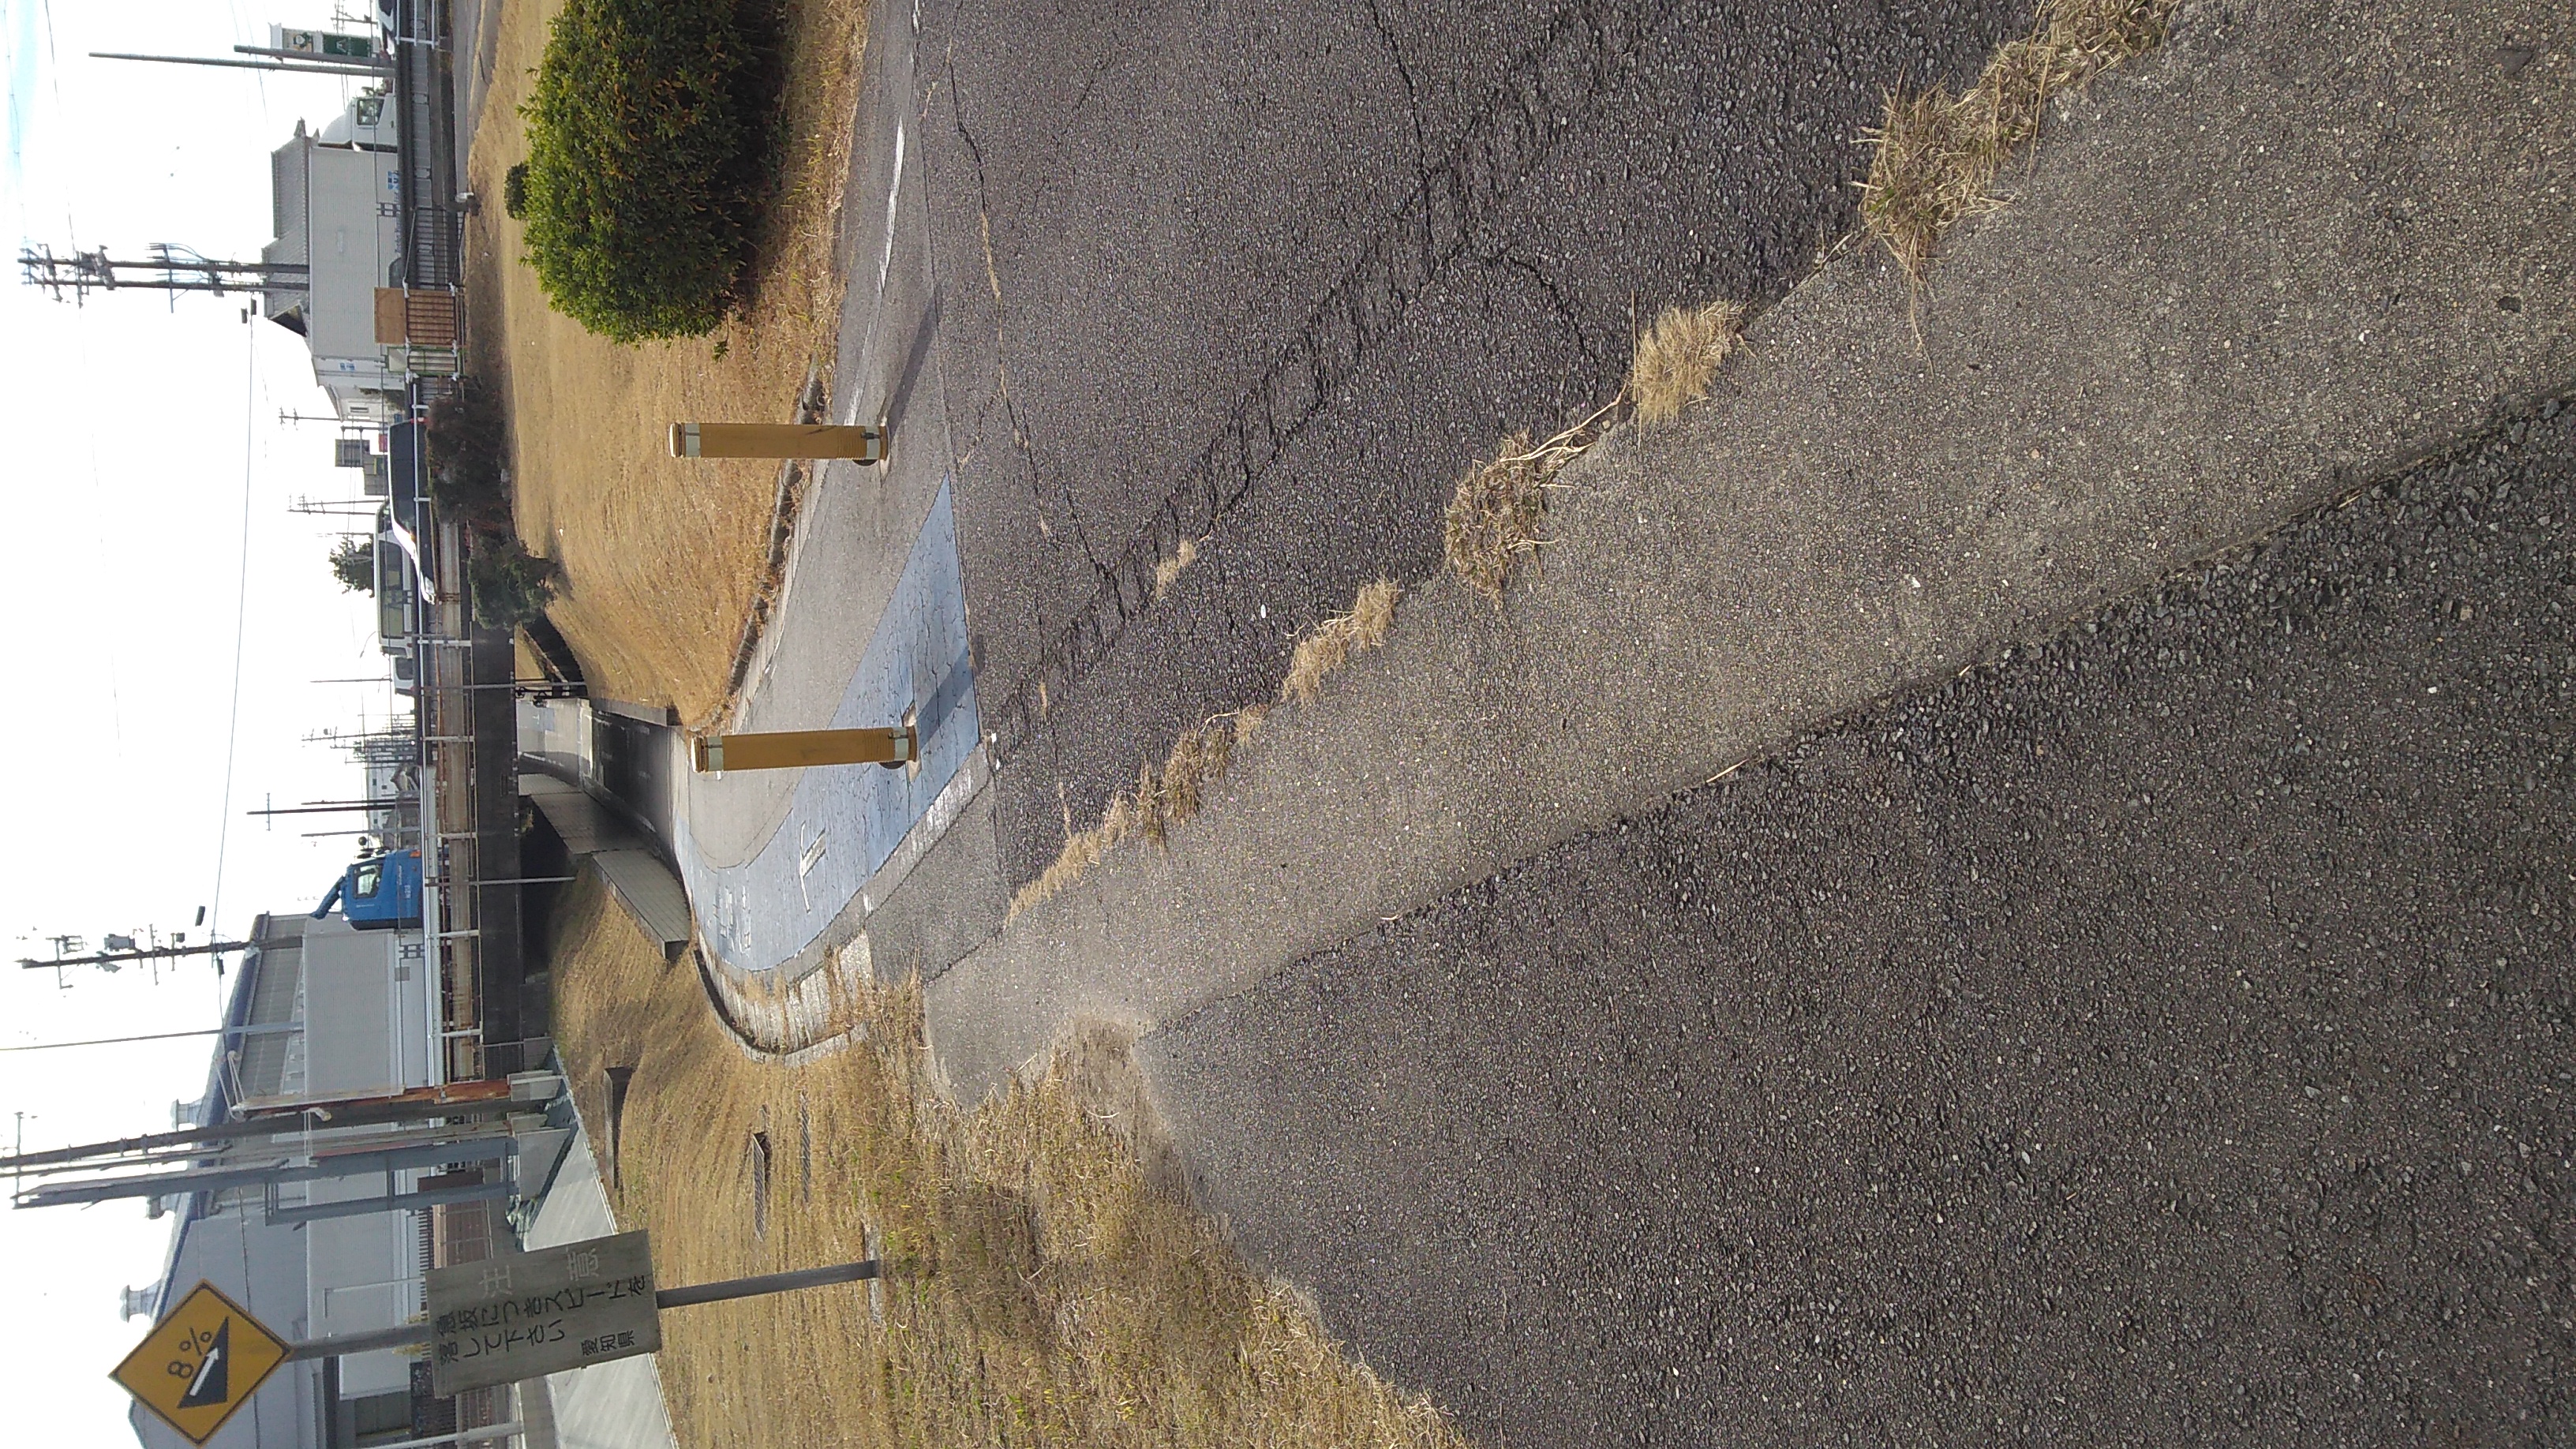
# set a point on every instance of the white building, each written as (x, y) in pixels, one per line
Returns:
(322, 1010)
(338, 213)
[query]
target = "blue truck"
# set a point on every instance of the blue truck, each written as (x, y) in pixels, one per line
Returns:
(378, 893)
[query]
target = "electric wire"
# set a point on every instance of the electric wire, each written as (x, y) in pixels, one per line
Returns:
(241, 611)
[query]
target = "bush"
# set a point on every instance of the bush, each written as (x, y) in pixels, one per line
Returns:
(353, 563)
(643, 163)
(510, 585)
(468, 448)
(514, 190)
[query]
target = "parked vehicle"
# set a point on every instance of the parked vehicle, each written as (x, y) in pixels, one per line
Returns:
(378, 893)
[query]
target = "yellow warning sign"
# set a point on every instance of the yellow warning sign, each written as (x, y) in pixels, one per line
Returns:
(203, 1360)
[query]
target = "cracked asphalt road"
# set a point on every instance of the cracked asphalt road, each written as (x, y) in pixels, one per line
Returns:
(1271, 276)
(2159, 1037)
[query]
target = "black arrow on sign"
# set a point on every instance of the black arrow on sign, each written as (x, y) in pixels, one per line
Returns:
(211, 1383)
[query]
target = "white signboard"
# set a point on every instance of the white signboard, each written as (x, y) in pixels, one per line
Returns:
(524, 1315)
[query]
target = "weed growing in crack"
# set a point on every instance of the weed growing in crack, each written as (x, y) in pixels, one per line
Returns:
(1934, 157)
(1171, 795)
(1680, 355)
(1495, 511)
(1331, 643)
(1168, 571)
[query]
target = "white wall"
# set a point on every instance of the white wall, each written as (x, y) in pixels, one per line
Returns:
(370, 1007)
(351, 241)
(373, 1001)
(361, 1274)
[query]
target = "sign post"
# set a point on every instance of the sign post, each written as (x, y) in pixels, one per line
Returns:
(202, 1361)
(864, 443)
(801, 749)
(520, 1315)
(509, 1317)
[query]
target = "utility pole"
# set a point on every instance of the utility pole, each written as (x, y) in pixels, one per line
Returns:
(171, 268)
(417, 1106)
(271, 1028)
(120, 958)
(382, 67)
(335, 807)
(366, 72)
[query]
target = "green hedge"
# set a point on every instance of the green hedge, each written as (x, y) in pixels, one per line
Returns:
(642, 164)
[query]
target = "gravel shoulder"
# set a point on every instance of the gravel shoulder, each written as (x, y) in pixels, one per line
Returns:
(2160, 1036)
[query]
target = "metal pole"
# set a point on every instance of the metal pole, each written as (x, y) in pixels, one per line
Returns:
(766, 1283)
(461, 1436)
(255, 1029)
(335, 807)
(401, 1335)
(370, 72)
(490, 1147)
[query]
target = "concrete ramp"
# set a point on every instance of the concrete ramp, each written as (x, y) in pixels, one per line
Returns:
(641, 879)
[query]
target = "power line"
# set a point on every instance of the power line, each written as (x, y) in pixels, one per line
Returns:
(48, 1046)
(241, 608)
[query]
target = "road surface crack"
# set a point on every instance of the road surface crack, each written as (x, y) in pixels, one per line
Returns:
(1574, 60)
(1001, 362)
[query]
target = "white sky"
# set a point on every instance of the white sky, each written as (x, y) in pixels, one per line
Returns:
(124, 427)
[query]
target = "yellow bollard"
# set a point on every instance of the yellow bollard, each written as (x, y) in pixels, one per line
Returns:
(796, 749)
(862, 443)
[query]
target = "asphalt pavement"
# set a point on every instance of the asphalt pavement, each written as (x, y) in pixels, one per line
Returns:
(2160, 1036)
(2205, 313)
(1271, 276)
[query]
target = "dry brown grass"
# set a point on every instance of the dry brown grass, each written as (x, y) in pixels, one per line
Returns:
(1330, 644)
(1680, 355)
(1935, 157)
(664, 558)
(1162, 799)
(1168, 572)
(1495, 511)
(1166, 797)
(1050, 1287)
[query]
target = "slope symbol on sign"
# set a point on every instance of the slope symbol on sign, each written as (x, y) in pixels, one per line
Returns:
(209, 1385)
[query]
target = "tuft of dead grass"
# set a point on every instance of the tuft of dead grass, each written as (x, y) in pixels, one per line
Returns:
(1168, 571)
(1161, 800)
(1330, 644)
(1173, 794)
(1678, 357)
(1495, 511)
(1934, 158)
(1049, 1282)
(665, 558)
